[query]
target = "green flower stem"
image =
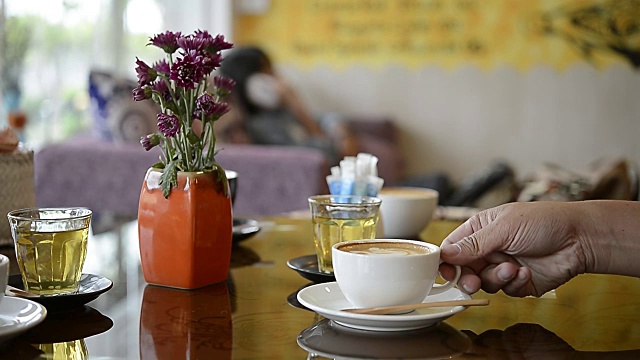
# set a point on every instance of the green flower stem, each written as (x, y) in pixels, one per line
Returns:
(185, 128)
(211, 145)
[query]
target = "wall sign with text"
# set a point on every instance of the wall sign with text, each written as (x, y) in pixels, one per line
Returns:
(447, 33)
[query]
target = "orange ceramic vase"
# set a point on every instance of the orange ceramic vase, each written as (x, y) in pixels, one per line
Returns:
(185, 239)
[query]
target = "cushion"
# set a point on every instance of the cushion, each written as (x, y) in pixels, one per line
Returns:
(116, 116)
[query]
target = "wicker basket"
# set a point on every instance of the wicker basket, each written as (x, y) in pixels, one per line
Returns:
(17, 189)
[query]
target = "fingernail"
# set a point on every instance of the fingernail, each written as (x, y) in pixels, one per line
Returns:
(451, 250)
(521, 275)
(466, 289)
(505, 275)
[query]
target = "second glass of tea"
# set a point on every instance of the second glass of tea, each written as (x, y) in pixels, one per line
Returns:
(339, 218)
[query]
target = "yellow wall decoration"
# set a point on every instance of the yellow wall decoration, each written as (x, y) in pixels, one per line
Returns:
(446, 33)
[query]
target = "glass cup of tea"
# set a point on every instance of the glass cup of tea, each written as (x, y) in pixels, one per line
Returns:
(340, 218)
(51, 247)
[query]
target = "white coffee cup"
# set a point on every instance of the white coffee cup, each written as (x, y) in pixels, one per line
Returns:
(387, 272)
(4, 275)
(406, 211)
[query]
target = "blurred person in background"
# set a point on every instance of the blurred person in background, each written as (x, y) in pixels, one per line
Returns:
(266, 110)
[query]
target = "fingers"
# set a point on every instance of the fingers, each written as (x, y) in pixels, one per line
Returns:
(492, 277)
(447, 271)
(521, 285)
(510, 278)
(495, 277)
(469, 282)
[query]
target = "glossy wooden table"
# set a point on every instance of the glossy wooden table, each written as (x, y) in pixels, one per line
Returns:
(250, 317)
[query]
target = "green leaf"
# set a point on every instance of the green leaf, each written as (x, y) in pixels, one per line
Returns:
(169, 178)
(158, 165)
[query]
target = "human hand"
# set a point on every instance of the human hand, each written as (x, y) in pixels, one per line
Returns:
(520, 248)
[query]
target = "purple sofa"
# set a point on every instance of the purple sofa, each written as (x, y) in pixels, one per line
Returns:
(107, 176)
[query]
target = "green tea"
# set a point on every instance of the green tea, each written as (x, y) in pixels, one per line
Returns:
(51, 262)
(330, 231)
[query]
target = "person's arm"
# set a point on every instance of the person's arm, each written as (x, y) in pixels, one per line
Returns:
(612, 230)
(531, 248)
(293, 102)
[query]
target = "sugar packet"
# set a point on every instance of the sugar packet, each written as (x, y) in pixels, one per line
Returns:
(356, 175)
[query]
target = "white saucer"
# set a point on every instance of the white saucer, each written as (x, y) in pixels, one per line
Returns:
(327, 300)
(18, 315)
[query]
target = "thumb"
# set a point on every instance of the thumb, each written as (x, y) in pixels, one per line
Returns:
(471, 247)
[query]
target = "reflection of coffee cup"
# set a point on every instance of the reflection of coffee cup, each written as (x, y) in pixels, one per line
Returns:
(440, 341)
(387, 272)
(406, 211)
(232, 177)
(4, 275)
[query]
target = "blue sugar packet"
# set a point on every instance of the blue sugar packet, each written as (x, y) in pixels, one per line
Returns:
(335, 184)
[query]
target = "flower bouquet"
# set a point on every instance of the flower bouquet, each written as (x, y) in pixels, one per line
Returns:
(190, 105)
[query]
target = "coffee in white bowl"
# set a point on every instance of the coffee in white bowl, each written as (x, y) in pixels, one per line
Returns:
(406, 211)
(387, 272)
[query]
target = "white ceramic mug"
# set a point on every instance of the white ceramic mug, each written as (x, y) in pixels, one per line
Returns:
(387, 272)
(406, 211)
(4, 275)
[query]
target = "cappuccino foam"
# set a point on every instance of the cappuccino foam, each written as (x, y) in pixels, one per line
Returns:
(386, 248)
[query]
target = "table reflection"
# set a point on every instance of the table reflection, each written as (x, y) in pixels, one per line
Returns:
(180, 324)
(60, 336)
(329, 339)
(532, 341)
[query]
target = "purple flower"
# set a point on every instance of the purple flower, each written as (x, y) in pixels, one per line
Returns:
(202, 34)
(162, 89)
(220, 109)
(191, 43)
(150, 141)
(223, 85)
(142, 93)
(168, 124)
(219, 44)
(187, 72)
(145, 73)
(167, 41)
(162, 67)
(209, 62)
(207, 106)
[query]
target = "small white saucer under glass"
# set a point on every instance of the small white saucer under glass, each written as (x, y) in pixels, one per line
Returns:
(18, 315)
(327, 300)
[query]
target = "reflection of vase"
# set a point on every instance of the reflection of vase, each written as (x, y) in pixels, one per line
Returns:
(177, 324)
(185, 239)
